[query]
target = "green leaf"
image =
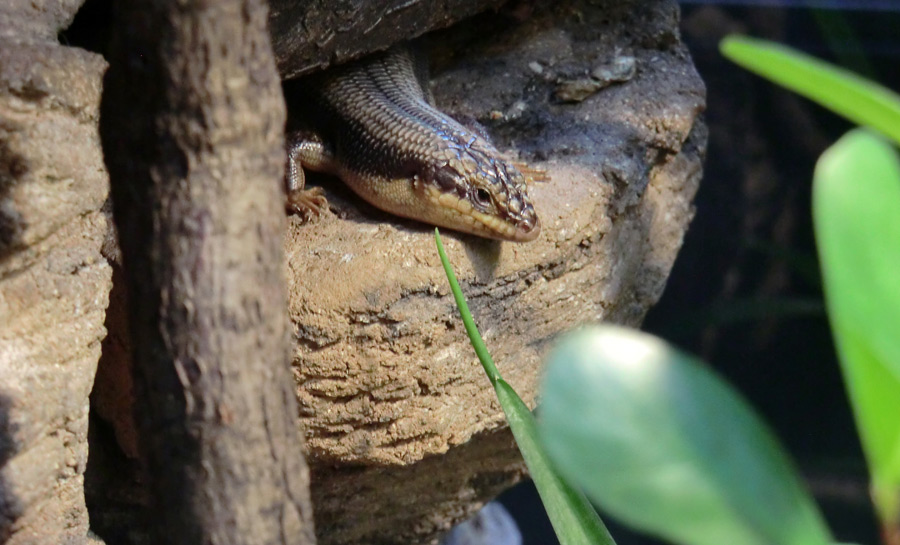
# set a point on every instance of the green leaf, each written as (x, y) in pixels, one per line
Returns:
(856, 210)
(573, 518)
(657, 440)
(841, 91)
(487, 362)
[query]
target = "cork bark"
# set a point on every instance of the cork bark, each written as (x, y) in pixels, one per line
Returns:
(53, 281)
(390, 391)
(192, 131)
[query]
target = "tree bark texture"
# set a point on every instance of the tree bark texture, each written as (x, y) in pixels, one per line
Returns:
(192, 129)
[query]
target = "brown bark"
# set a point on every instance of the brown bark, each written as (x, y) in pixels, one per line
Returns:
(53, 282)
(191, 123)
(397, 412)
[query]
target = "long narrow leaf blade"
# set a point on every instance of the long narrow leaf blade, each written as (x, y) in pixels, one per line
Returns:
(487, 362)
(573, 518)
(859, 100)
(856, 210)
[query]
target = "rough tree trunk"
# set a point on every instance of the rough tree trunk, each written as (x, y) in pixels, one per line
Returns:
(192, 120)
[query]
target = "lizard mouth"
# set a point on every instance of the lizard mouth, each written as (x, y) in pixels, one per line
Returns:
(460, 215)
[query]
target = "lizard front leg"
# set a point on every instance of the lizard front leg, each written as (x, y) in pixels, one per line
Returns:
(306, 149)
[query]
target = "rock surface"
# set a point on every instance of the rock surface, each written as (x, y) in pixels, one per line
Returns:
(53, 281)
(386, 377)
(312, 34)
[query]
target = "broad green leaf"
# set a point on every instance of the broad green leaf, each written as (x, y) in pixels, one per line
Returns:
(573, 518)
(657, 440)
(856, 210)
(841, 91)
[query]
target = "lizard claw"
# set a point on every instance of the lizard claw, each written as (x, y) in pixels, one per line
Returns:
(532, 174)
(308, 203)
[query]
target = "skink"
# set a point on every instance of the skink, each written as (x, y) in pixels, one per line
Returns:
(373, 126)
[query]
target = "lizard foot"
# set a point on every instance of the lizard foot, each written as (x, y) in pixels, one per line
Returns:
(307, 203)
(532, 174)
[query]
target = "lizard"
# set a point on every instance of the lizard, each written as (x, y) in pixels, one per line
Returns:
(375, 127)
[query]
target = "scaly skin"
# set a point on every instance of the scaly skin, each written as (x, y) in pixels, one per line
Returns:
(376, 130)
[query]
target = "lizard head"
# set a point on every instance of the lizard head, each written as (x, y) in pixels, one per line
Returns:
(484, 195)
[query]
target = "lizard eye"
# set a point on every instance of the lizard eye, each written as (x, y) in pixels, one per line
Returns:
(482, 197)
